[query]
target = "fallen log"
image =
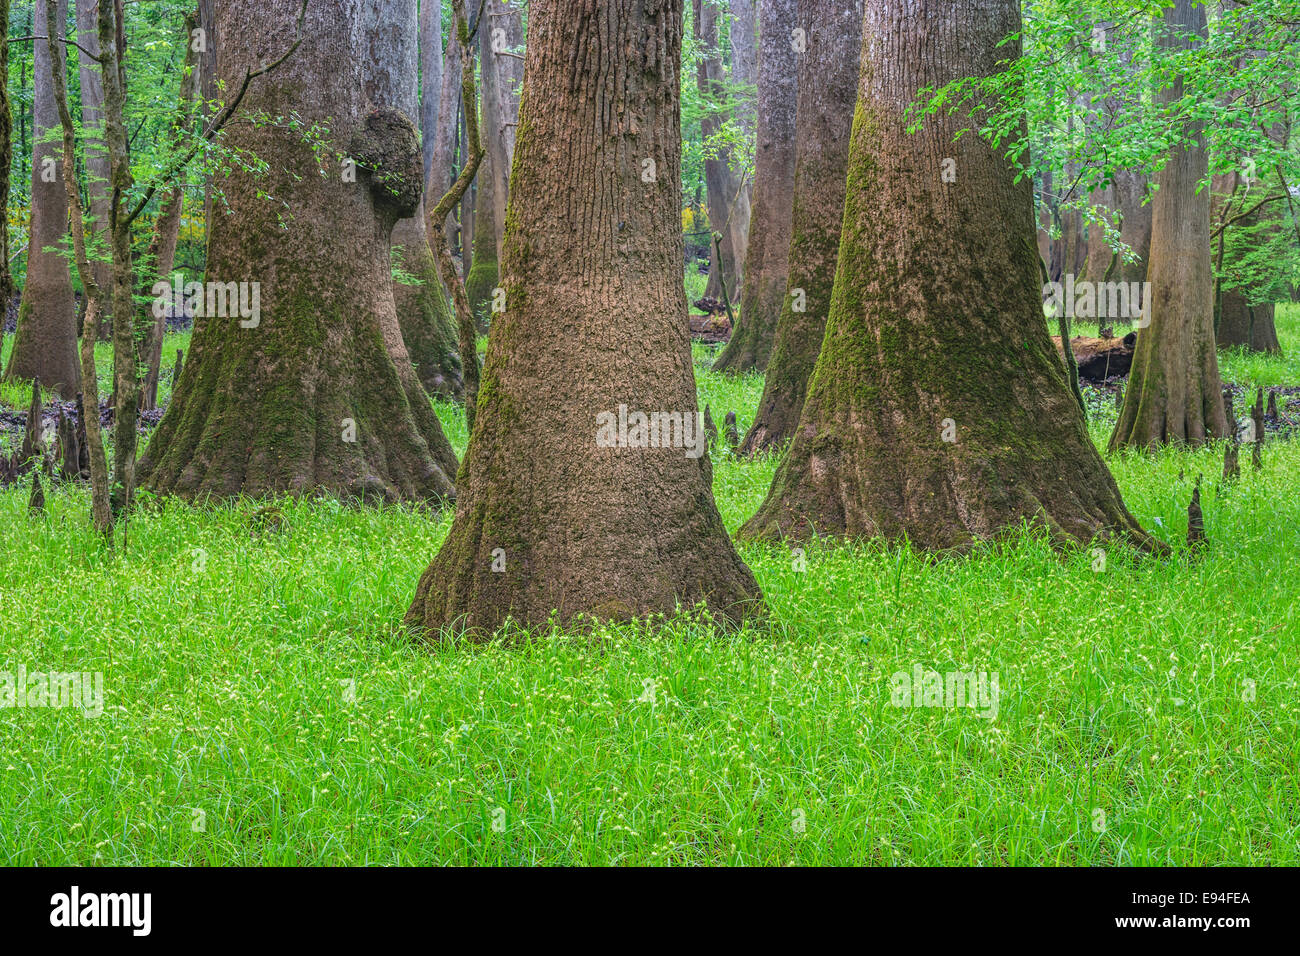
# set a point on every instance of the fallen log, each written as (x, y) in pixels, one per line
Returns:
(1100, 359)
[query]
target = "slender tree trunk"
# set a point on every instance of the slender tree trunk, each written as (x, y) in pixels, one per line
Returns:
(503, 71)
(744, 73)
(828, 87)
(430, 87)
(483, 273)
(45, 343)
(1174, 394)
(97, 163)
(314, 392)
(727, 198)
(428, 331)
(7, 288)
(97, 462)
(444, 152)
(167, 227)
(126, 382)
(768, 245)
(550, 522)
(938, 411)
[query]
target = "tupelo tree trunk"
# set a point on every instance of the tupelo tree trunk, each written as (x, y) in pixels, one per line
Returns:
(1174, 394)
(423, 315)
(97, 162)
(828, 87)
(45, 342)
(768, 245)
(938, 410)
(316, 392)
(548, 521)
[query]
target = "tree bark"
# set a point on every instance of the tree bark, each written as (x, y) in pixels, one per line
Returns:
(45, 342)
(428, 331)
(166, 234)
(938, 411)
(7, 288)
(727, 198)
(1174, 394)
(319, 394)
(483, 272)
(96, 151)
(503, 72)
(430, 86)
(594, 299)
(828, 87)
(768, 244)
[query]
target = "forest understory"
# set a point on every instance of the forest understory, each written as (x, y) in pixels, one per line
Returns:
(268, 708)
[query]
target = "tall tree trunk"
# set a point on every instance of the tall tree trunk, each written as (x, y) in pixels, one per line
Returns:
(444, 152)
(167, 227)
(7, 288)
(938, 411)
(428, 331)
(483, 273)
(828, 87)
(503, 71)
(45, 342)
(744, 72)
(97, 162)
(430, 88)
(126, 380)
(1174, 394)
(727, 198)
(315, 393)
(768, 244)
(549, 521)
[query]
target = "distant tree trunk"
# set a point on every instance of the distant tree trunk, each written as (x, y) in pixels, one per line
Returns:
(550, 522)
(126, 379)
(502, 73)
(483, 274)
(1252, 327)
(7, 288)
(430, 88)
(428, 331)
(1174, 394)
(828, 88)
(938, 411)
(727, 198)
(744, 66)
(97, 162)
(444, 152)
(162, 247)
(768, 244)
(45, 343)
(207, 87)
(315, 392)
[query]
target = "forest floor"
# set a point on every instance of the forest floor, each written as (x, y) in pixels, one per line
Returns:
(262, 706)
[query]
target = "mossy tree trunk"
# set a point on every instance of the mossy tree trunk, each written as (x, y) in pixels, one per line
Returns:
(45, 342)
(547, 519)
(483, 271)
(828, 87)
(1174, 395)
(938, 410)
(317, 394)
(428, 331)
(768, 245)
